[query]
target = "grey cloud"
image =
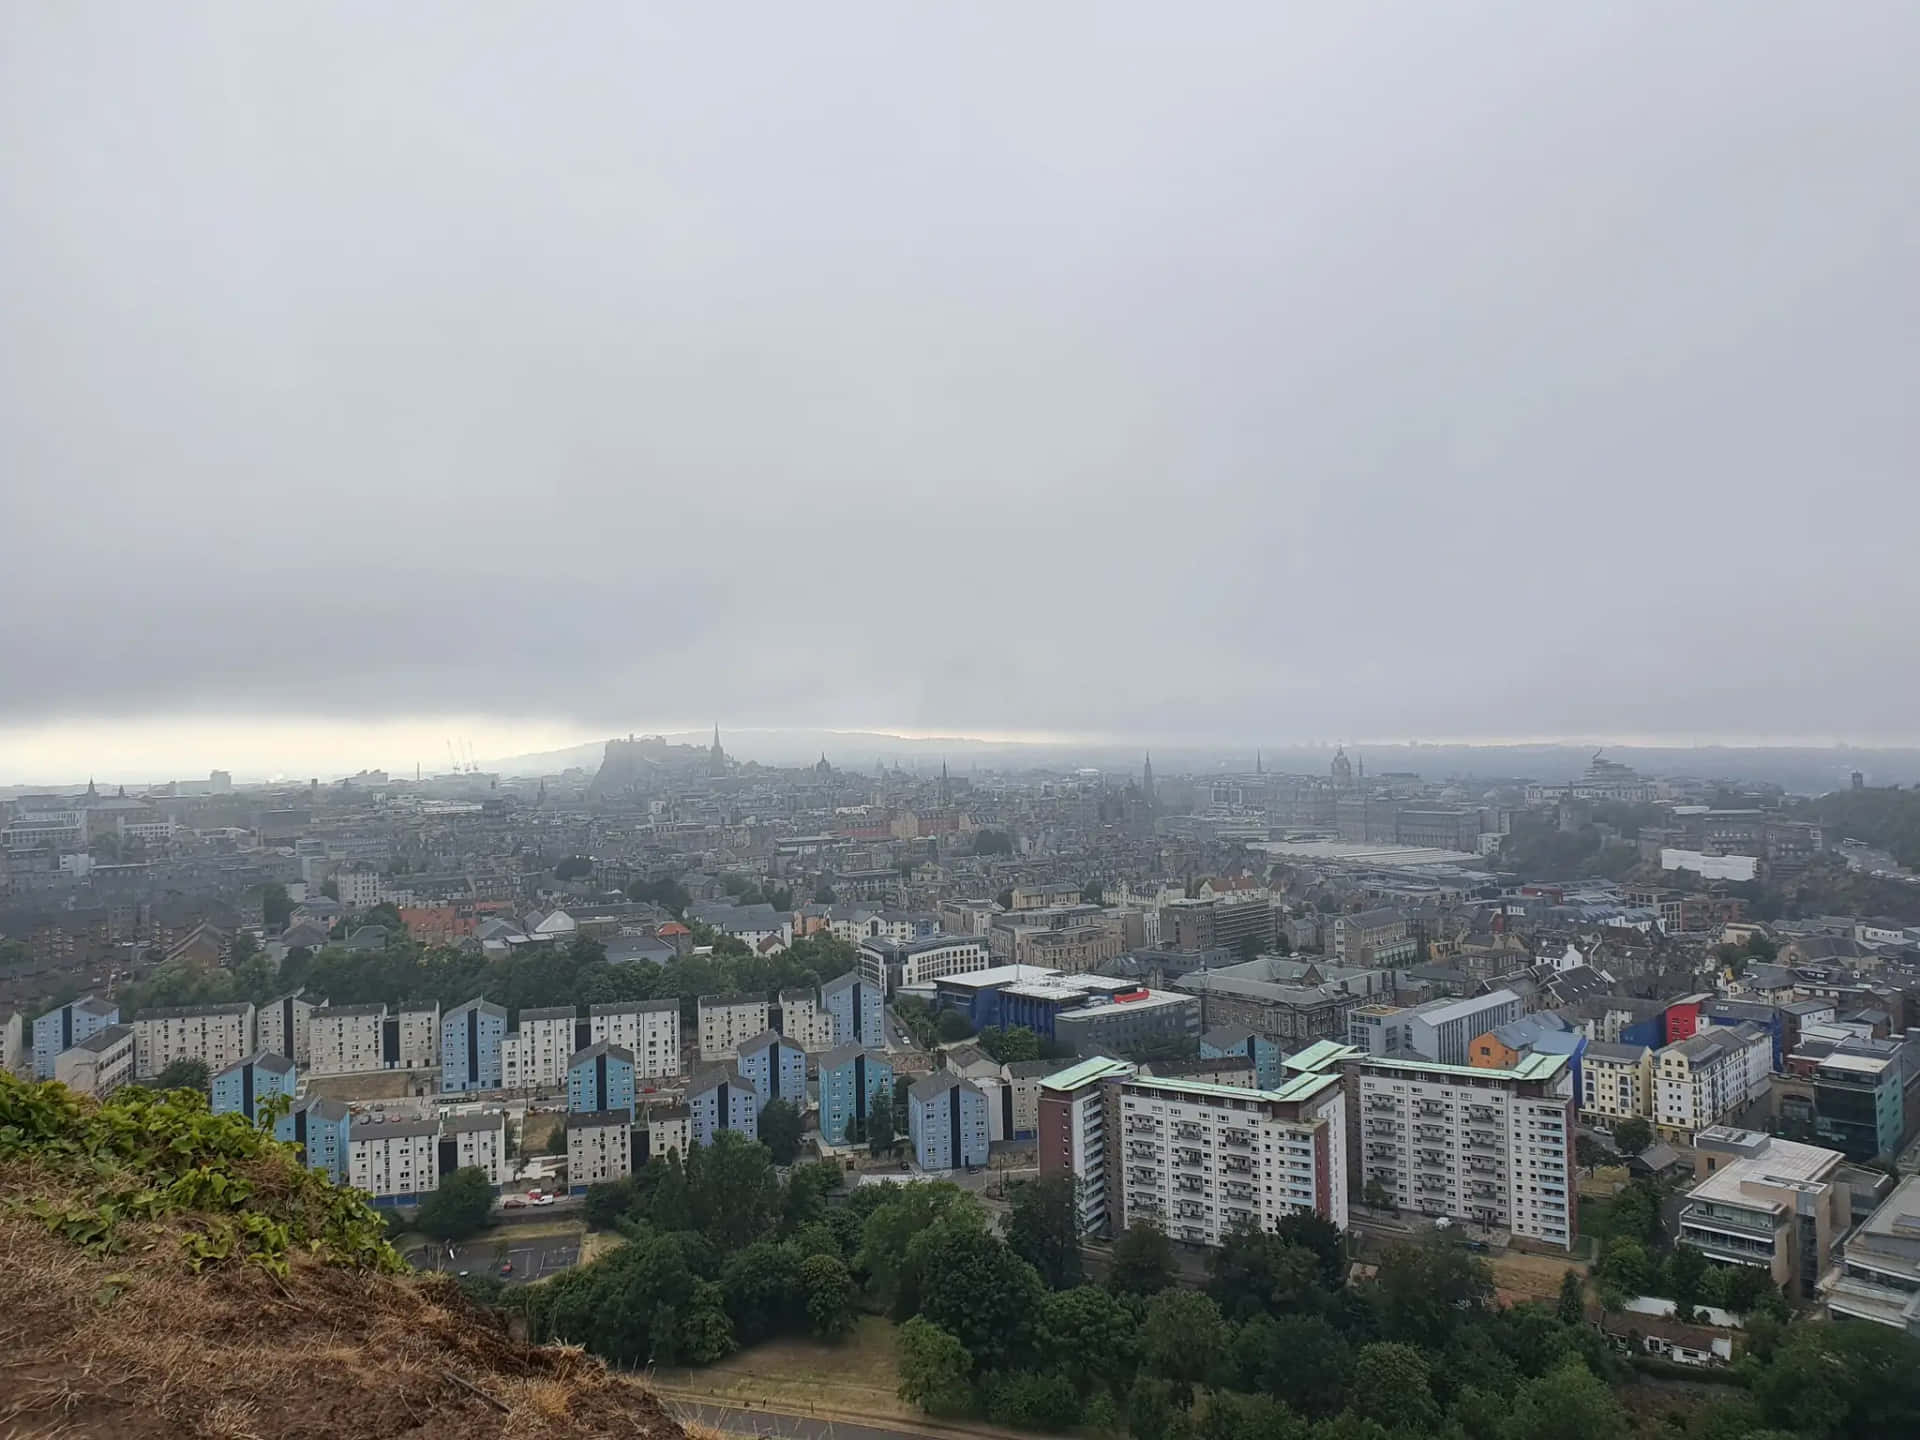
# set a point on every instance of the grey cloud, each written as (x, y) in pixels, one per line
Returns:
(1469, 370)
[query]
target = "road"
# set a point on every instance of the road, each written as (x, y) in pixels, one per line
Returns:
(531, 1257)
(801, 1427)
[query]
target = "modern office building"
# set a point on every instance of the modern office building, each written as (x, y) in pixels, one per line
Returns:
(1765, 1202)
(1858, 1103)
(243, 1087)
(62, 1028)
(947, 1122)
(1130, 1020)
(851, 1078)
(470, 1037)
(601, 1078)
(1879, 1275)
(1444, 1031)
(889, 965)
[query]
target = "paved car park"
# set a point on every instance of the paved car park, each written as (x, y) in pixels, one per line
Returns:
(532, 1257)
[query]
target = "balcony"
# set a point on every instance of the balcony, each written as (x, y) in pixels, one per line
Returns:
(1187, 1130)
(1188, 1158)
(1141, 1125)
(1237, 1165)
(1379, 1105)
(1237, 1139)
(1384, 1128)
(1188, 1184)
(1142, 1150)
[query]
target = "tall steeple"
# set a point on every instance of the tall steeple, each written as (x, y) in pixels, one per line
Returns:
(1256, 764)
(1146, 777)
(716, 757)
(946, 786)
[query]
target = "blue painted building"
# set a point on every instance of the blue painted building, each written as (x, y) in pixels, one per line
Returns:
(722, 1100)
(1230, 1042)
(1769, 1018)
(858, 1012)
(321, 1129)
(947, 1122)
(851, 1078)
(242, 1087)
(470, 1037)
(600, 1078)
(776, 1067)
(66, 1027)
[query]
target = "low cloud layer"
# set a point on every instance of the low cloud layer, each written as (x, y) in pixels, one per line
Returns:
(1293, 371)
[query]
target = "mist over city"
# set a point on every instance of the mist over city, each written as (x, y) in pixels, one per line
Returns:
(877, 722)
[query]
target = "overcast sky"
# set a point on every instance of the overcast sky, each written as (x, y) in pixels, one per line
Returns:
(1250, 370)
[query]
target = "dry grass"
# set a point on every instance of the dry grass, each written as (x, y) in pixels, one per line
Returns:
(799, 1376)
(133, 1346)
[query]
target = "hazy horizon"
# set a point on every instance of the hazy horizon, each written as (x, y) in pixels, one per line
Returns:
(375, 377)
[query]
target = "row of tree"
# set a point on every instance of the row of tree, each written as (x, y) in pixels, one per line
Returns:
(577, 974)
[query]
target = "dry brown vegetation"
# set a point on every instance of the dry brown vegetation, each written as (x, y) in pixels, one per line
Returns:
(134, 1346)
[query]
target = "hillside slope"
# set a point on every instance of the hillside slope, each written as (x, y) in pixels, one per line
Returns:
(123, 1315)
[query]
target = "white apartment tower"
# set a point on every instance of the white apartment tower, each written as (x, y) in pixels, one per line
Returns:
(1490, 1146)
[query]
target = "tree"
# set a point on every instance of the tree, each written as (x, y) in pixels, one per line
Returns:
(975, 1288)
(829, 1291)
(183, 1075)
(935, 1370)
(732, 1193)
(906, 1213)
(574, 867)
(880, 1136)
(823, 894)
(953, 1025)
(640, 1304)
(1570, 1403)
(1686, 1270)
(1392, 1383)
(780, 1130)
(330, 889)
(608, 1203)
(1321, 1236)
(1843, 1380)
(1033, 1401)
(1626, 1265)
(1300, 1358)
(1088, 1335)
(993, 842)
(1255, 1272)
(1151, 1408)
(1425, 1292)
(1182, 1336)
(1377, 1196)
(1092, 894)
(765, 1294)
(1010, 1046)
(1249, 947)
(1632, 1136)
(276, 908)
(459, 1208)
(1142, 1260)
(1043, 1227)
(1571, 1308)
